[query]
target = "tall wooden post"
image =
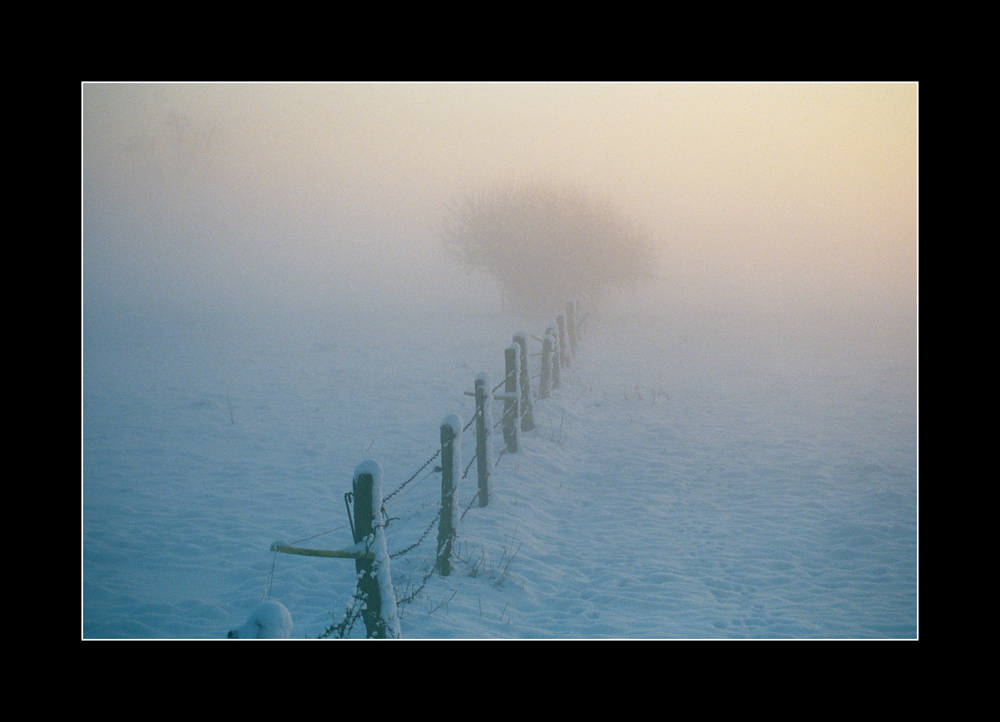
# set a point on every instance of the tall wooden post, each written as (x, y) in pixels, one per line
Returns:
(527, 410)
(374, 576)
(484, 437)
(451, 472)
(511, 403)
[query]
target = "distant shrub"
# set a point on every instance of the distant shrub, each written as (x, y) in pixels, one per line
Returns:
(545, 244)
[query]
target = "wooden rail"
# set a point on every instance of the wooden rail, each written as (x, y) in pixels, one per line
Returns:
(349, 553)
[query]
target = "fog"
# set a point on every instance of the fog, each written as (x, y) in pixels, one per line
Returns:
(766, 200)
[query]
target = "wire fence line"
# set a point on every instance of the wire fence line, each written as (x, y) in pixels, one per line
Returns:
(520, 390)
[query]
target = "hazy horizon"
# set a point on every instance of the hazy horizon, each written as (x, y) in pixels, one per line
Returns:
(784, 197)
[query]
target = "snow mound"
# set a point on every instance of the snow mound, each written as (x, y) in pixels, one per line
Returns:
(269, 620)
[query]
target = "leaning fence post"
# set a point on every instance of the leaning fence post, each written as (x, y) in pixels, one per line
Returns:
(511, 403)
(484, 437)
(374, 577)
(527, 412)
(451, 472)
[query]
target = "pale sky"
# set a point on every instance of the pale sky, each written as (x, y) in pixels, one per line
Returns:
(765, 194)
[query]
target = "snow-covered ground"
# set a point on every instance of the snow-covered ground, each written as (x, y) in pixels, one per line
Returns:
(689, 479)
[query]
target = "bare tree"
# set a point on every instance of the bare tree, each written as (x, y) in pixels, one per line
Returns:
(546, 244)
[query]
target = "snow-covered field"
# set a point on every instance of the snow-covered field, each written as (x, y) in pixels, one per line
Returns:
(690, 479)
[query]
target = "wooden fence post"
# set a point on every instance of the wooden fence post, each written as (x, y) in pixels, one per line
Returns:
(374, 576)
(511, 403)
(546, 380)
(563, 347)
(484, 436)
(451, 472)
(554, 362)
(527, 410)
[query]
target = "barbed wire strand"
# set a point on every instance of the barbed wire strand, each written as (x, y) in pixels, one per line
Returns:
(503, 380)
(469, 466)
(471, 502)
(322, 533)
(409, 490)
(400, 487)
(420, 540)
(423, 583)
